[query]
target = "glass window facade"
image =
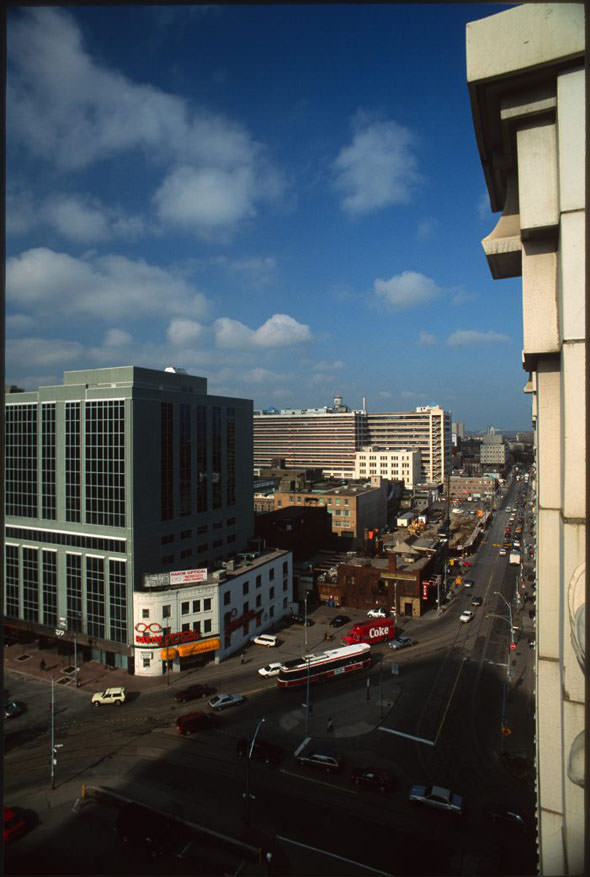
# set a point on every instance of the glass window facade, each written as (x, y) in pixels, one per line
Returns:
(230, 456)
(118, 600)
(11, 578)
(48, 472)
(73, 588)
(105, 463)
(73, 470)
(185, 460)
(95, 596)
(31, 584)
(167, 461)
(49, 585)
(21, 460)
(216, 448)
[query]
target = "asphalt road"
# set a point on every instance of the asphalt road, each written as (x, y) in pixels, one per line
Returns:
(436, 720)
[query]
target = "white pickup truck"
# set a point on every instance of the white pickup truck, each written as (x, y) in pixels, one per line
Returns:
(514, 557)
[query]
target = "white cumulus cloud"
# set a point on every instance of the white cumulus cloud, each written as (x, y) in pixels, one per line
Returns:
(280, 330)
(181, 332)
(117, 338)
(426, 339)
(473, 338)
(377, 168)
(53, 285)
(68, 109)
(408, 289)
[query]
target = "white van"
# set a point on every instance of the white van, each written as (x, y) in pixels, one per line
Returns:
(266, 639)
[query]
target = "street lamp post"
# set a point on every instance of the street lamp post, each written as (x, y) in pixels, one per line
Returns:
(247, 795)
(509, 607)
(305, 621)
(307, 703)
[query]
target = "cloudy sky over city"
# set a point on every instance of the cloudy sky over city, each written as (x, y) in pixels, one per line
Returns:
(286, 200)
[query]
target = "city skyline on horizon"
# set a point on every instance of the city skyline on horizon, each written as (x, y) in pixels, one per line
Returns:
(256, 209)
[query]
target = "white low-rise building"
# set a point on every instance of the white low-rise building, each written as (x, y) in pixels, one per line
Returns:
(185, 617)
(393, 465)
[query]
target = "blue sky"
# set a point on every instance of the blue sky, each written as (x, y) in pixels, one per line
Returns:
(287, 200)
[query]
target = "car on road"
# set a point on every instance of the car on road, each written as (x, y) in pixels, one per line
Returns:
(12, 709)
(502, 552)
(266, 639)
(437, 796)
(477, 601)
(374, 778)
(339, 620)
(272, 669)
(325, 760)
(466, 615)
(468, 583)
(14, 825)
(223, 701)
(301, 619)
(377, 613)
(498, 813)
(193, 692)
(118, 696)
(402, 642)
(191, 722)
(262, 751)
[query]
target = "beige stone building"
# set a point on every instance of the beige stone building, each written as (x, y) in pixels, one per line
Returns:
(525, 69)
(393, 465)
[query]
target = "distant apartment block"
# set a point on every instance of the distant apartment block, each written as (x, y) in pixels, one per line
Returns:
(525, 69)
(403, 465)
(492, 454)
(330, 438)
(116, 474)
(352, 508)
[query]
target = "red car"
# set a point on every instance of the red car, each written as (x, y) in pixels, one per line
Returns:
(14, 826)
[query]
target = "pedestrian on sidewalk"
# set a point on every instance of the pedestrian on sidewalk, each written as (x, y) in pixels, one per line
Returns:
(330, 727)
(42, 664)
(243, 658)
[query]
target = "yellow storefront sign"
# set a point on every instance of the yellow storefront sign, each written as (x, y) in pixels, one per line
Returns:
(203, 645)
(168, 654)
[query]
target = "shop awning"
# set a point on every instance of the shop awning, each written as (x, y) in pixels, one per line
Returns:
(168, 654)
(202, 645)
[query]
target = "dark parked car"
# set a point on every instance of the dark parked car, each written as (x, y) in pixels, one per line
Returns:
(301, 619)
(263, 751)
(339, 620)
(193, 692)
(497, 813)
(191, 722)
(373, 777)
(12, 709)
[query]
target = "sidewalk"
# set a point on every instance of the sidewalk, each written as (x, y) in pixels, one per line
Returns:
(92, 676)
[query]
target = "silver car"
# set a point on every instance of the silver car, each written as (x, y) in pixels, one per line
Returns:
(222, 701)
(437, 796)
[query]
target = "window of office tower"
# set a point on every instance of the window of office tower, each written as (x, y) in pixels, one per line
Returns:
(201, 458)
(230, 455)
(166, 461)
(95, 595)
(11, 604)
(118, 600)
(48, 491)
(216, 449)
(105, 463)
(72, 467)
(21, 460)
(185, 460)
(49, 572)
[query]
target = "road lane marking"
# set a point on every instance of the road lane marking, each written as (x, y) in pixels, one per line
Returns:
(301, 776)
(333, 855)
(408, 736)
